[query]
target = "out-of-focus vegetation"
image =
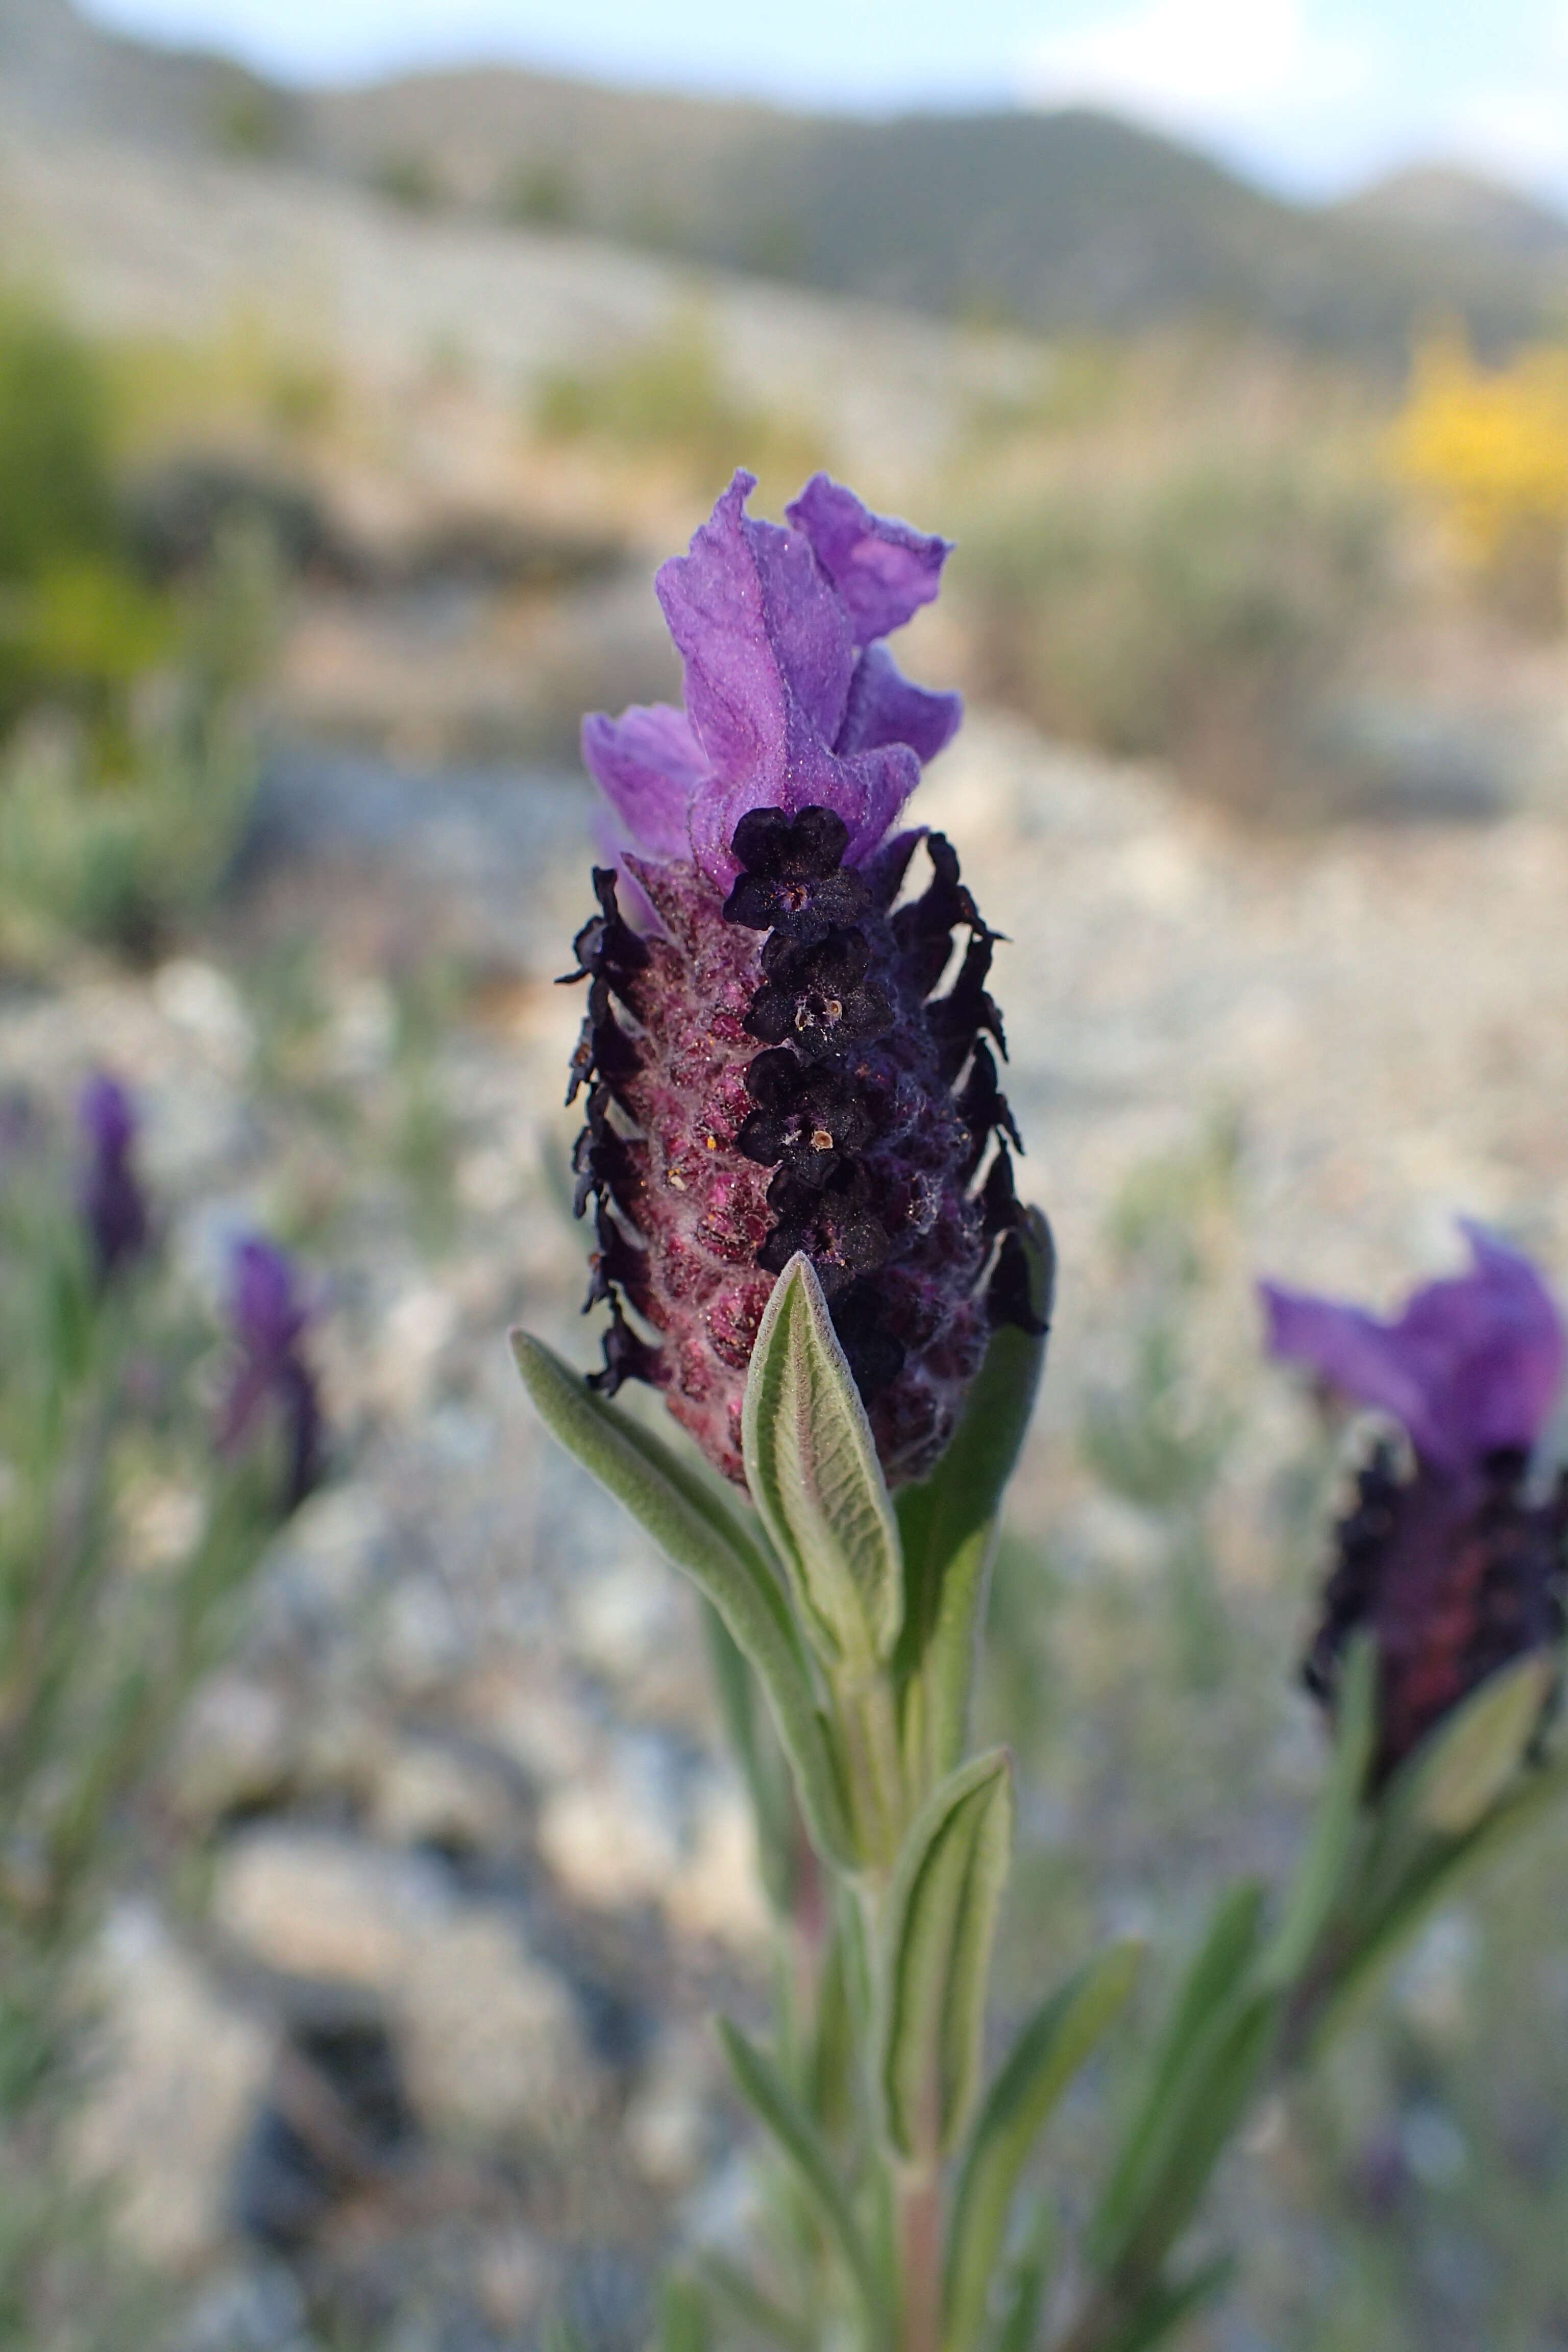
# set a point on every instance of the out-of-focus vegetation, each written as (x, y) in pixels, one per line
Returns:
(1412, 2194)
(1201, 616)
(125, 1543)
(126, 762)
(670, 400)
(1489, 447)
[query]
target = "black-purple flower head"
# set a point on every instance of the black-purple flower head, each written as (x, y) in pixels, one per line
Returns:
(770, 1065)
(272, 1382)
(1444, 1560)
(109, 1199)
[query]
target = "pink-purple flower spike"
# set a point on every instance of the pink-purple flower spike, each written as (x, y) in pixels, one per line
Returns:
(769, 1065)
(1450, 1565)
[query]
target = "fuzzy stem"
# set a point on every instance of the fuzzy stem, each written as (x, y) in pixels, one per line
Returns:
(867, 1714)
(920, 2235)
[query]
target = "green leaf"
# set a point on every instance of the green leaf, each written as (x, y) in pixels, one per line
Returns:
(775, 2105)
(1050, 2048)
(1432, 1877)
(1322, 1876)
(761, 1767)
(754, 2310)
(940, 1922)
(1020, 2326)
(697, 1530)
(812, 1467)
(1191, 2130)
(949, 1524)
(683, 2321)
(1170, 2303)
(1208, 1988)
(1465, 1766)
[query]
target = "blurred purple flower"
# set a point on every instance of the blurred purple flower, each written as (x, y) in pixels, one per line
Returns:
(789, 1077)
(109, 1199)
(1471, 1367)
(267, 1318)
(1447, 1563)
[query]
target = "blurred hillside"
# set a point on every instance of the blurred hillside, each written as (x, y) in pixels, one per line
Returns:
(1054, 221)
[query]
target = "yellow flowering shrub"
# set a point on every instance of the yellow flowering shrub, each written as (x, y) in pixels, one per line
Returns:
(1490, 444)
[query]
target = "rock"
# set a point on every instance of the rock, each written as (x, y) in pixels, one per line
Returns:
(491, 2036)
(234, 1749)
(427, 1795)
(184, 2069)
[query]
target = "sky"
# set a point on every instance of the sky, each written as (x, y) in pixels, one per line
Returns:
(1312, 97)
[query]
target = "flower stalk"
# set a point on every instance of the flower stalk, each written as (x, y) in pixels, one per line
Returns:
(800, 1166)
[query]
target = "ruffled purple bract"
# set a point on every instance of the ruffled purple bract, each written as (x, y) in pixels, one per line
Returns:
(1471, 1368)
(792, 700)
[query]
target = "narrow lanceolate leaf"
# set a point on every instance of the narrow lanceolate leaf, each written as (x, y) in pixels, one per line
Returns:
(1170, 2303)
(696, 1530)
(1470, 1761)
(1190, 2131)
(1055, 2042)
(949, 1524)
(762, 1765)
(1321, 1878)
(812, 1467)
(1209, 1989)
(941, 1915)
(1024, 2302)
(1432, 1876)
(775, 2106)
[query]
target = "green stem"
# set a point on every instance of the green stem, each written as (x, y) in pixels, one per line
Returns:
(869, 1719)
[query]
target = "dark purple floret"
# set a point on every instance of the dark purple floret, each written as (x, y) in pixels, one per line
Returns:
(1447, 1561)
(772, 1062)
(272, 1381)
(113, 1205)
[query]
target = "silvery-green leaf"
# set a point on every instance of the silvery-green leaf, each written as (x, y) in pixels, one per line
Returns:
(1208, 1990)
(756, 2312)
(775, 2106)
(940, 1921)
(696, 1530)
(1322, 1876)
(812, 1467)
(1470, 1759)
(949, 1524)
(763, 1768)
(1047, 2053)
(1025, 2303)
(1432, 1876)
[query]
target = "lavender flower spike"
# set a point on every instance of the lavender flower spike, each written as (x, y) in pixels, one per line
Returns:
(269, 1318)
(769, 1067)
(109, 1199)
(1449, 1565)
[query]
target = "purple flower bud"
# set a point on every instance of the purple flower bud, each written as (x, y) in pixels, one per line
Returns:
(110, 1198)
(769, 1066)
(1447, 1563)
(268, 1320)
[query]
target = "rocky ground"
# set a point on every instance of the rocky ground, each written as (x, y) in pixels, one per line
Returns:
(422, 2045)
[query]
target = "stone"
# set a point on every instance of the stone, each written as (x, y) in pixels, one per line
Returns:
(489, 2034)
(183, 2069)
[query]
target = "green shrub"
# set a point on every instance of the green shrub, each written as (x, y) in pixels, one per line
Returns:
(409, 181)
(1200, 619)
(538, 195)
(669, 397)
(56, 490)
